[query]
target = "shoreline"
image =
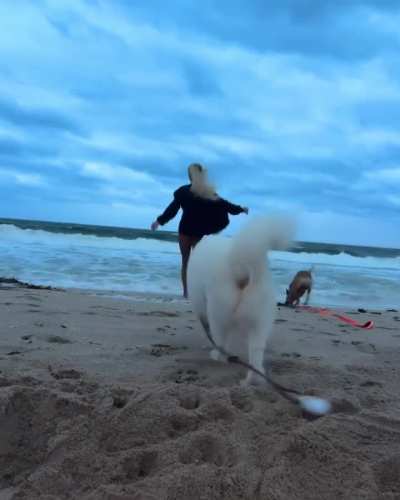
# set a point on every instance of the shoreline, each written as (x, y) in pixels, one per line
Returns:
(170, 297)
(112, 399)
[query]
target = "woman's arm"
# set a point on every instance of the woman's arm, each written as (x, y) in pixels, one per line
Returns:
(168, 214)
(232, 208)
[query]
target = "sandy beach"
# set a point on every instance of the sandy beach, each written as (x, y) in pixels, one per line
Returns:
(103, 397)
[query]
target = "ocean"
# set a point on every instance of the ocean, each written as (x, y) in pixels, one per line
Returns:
(124, 260)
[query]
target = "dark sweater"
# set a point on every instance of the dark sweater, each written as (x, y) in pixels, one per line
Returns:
(200, 216)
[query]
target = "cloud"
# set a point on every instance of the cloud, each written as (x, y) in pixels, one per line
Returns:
(114, 173)
(30, 180)
(37, 118)
(123, 185)
(291, 105)
(344, 30)
(380, 113)
(394, 200)
(385, 175)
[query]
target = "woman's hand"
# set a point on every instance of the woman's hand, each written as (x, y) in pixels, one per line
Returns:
(245, 210)
(155, 225)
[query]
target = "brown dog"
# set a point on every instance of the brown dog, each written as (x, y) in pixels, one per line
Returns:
(301, 284)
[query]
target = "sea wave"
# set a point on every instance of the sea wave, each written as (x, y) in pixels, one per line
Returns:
(339, 260)
(39, 236)
(16, 235)
(144, 264)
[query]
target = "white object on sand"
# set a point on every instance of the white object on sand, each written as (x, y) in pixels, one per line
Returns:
(316, 406)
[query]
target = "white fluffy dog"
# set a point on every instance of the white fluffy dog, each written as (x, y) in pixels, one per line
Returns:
(230, 287)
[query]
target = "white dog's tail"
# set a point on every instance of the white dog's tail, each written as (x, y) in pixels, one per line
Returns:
(252, 243)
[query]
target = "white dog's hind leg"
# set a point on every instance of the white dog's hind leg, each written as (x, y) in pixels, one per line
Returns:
(217, 332)
(217, 335)
(207, 331)
(256, 359)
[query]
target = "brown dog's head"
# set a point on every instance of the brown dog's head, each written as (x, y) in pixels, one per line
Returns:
(290, 297)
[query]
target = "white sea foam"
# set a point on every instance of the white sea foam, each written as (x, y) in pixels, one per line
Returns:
(11, 233)
(342, 259)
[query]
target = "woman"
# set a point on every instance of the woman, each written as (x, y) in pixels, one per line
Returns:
(204, 212)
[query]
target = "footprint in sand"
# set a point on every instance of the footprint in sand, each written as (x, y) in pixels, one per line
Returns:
(140, 464)
(104, 308)
(186, 376)
(65, 374)
(159, 314)
(57, 339)
(27, 338)
(344, 406)
(241, 399)
(33, 305)
(387, 474)
(363, 347)
(290, 355)
(330, 334)
(370, 383)
(207, 448)
(189, 398)
(283, 366)
(162, 349)
(181, 423)
(120, 398)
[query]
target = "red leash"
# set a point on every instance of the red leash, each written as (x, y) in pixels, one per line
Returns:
(327, 312)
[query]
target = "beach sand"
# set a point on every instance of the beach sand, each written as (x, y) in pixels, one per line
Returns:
(107, 398)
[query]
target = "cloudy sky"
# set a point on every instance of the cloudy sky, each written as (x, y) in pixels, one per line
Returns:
(293, 105)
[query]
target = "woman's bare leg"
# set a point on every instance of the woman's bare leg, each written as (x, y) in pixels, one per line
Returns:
(186, 244)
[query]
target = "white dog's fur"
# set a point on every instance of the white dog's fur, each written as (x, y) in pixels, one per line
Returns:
(230, 287)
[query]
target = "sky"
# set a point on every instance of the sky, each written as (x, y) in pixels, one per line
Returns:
(292, 105)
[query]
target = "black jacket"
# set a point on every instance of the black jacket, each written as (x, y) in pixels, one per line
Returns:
(200, 216)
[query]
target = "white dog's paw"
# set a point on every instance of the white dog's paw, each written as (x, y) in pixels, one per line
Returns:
(216, 355)
(252, 379)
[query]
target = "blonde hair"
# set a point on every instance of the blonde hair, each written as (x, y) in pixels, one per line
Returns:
(200, 185)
